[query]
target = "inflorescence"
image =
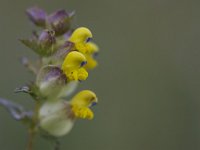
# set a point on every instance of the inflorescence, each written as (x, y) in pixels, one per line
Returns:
(65, 55)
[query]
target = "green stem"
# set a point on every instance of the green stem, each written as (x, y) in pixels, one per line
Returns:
(30, 140)
(33, 126)
(57, 145)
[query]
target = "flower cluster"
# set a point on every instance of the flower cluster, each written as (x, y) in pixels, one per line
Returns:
(65, 57)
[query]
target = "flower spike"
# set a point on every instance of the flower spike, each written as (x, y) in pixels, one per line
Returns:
(65, 56)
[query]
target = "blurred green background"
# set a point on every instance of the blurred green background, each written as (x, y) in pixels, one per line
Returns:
(147, 81)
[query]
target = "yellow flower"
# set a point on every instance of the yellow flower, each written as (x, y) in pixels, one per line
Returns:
(58, 117)
(73, 66)
(92, 49)
(81, 104)
(80, 37)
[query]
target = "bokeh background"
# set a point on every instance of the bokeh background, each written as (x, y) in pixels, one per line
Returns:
(148, 80)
